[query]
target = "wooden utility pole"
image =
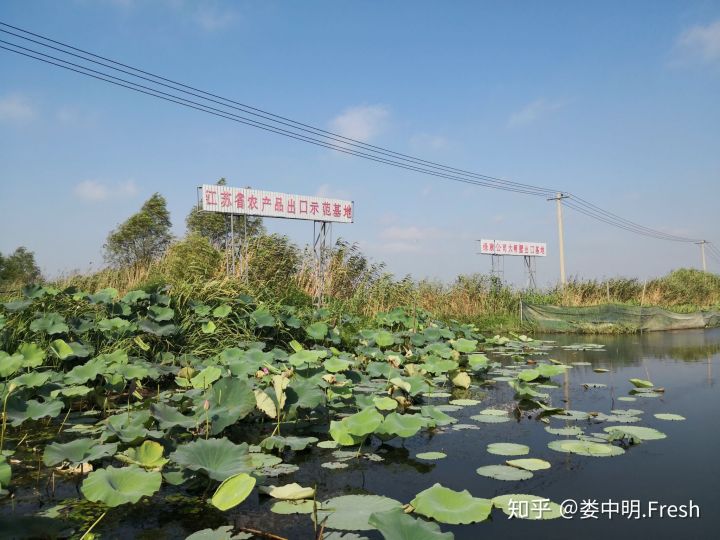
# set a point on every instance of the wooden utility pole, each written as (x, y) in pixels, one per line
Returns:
(702, 243)
(561, 235)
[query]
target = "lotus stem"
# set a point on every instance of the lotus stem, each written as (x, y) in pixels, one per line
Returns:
(4, 416)
(93, 526)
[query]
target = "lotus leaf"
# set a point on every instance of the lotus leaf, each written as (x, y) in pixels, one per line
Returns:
(218, 458)
(294, 507)
(436, 417)
(114, 487)
(133, 297)
(490, 418)
(34, 410)
(464, 345)
(401, 425)
(352, 512)
(460, 379)
(76, 452)
(233, 491)
(149, 455)
(529, 464)
(222, 311)
(208, 327)
(317, 331)
(639, 432)
(262, 318)
(383, 338)
(397, 525)
(306, 357)
(508, 449)
(294, 443)
(585, 448)
(33, 379)
(431, 455)
(221, 533)
(168, 417)
(336, 365)
(464, 402)
(50, 323)
(448, 506)
(289, 492)
(478, 361)
(160, 313)
(33, 355)
(504, 472)
(669, 416)
(10, 364)
(206, 377)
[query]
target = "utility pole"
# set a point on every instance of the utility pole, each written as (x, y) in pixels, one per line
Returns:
(702, 243)
(561, 236)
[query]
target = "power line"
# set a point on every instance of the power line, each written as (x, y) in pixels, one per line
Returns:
(297, 130)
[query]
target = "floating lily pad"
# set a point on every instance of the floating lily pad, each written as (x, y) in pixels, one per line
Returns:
(334, 465)
(490, 418)
(669, 416)
(352, 512)
(585, 448)
(464, 402)
(508, 449)
(565, 431)
(219, 458)
(294, 507)
(448, 506)
(529, 464)
(397, 525)
(504, 472)
(431, 455)
(640, 432)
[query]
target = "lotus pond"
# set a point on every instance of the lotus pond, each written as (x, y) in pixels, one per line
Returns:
(153, 415)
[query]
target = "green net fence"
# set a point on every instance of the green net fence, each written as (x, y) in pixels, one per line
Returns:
(613, 318)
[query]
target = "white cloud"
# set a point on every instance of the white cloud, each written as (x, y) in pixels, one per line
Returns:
(16, 108)
(330, 192)
(362, 123)
(94, 191)
(700, 42)
(532, 112)
(407, 239)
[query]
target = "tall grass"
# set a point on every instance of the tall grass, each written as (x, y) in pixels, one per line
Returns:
(273, 270)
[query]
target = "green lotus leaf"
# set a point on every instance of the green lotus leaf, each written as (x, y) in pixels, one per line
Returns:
(364, 422)
(168, 417)
(161, 313)
(453, 507)
(585, 448)
(114, 487)
(385, 403)
(104, 296)
(85, 372)
(221, 311)
(439, 366)
(529, 464)
(435, 417)
(490, 418)
(522, 506)
(33, 379)
(639, 432)
(289, 492)
(317, 331)
(161, 330)
(547, 370)
(478, 361)
(17, 305)
(129, 427)
(278, 442)
(10, 364)
(306, 357)
(401, 425)
(464, 345)
(33, 355)
(233, 491)
(262, 318)
(34, 410)
(439, 349)
(431, 455)
(218, 458)
(77, 451)
(383, 338)
(206, 377)
(149, 455)
(641, 383)
(133, 297)
(116, 325)
(566, 431)
(5, 472)
(397, 525)
(465, 402)
(336, 365)
(71, 391)
(208, 327)
(504, 472)
(230, 400)
(50, 323)
(528, 375)
(294, 507)
(508, 449)
(669, 416)
(352, 512)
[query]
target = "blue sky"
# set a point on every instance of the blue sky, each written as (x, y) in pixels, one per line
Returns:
(614, 101)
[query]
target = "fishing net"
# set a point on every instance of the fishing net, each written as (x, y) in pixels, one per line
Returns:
(613, 318)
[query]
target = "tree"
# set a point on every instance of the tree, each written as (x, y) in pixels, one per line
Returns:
(19, 267)
(215, 226)
(143, 237)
